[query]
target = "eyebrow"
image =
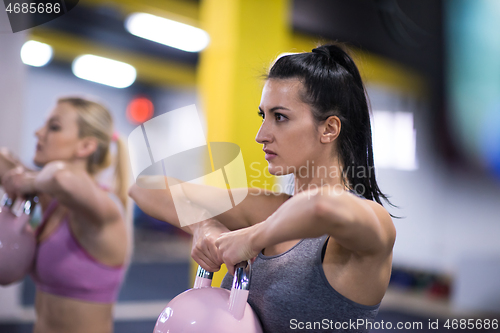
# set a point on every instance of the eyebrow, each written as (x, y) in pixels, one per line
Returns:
(56, 118)
(274, 109)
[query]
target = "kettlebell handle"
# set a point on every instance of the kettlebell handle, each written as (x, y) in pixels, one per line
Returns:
(239, 290)
(203, 278)
(241, 280)
(242, 274)
(6, 201)
(28, 206)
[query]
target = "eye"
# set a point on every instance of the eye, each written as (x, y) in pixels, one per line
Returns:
(280, 117)
(261, 114)
(54, 127)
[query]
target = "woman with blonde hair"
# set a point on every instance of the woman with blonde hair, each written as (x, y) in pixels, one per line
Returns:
(84, 240)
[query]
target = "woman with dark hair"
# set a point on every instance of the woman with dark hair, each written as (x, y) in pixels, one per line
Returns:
(322, 256)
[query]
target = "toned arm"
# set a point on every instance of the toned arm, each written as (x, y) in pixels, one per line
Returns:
(256, 207)
(359, 225)
(78, 191)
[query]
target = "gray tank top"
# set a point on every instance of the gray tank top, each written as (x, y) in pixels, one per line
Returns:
(290, 293)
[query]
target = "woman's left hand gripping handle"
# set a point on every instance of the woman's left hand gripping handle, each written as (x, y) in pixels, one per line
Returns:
(237, 246)
(204, 251)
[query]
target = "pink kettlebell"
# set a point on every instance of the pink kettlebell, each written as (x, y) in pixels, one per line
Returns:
(211, 310)
(17, 241)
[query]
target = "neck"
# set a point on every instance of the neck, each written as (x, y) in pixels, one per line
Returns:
(78, 165)
(313, 176)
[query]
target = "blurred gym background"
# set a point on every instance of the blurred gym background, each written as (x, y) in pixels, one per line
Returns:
(432, 72)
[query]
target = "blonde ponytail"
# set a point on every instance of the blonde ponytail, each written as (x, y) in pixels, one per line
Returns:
(122, 173)
(121, 184)
(94, 120)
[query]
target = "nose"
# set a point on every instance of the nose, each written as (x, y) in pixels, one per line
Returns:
(264, 135)
(39, 133)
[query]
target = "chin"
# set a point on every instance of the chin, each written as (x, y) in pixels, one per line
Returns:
(39, 162)
(275, 170)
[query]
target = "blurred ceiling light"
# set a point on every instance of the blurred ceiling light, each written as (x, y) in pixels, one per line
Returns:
(167, 32)
(103, 70)
(36, 54)
(394, 140)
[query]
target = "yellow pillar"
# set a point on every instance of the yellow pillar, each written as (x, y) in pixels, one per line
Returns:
(245, 36)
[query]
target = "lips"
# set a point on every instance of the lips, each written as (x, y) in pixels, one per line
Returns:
(269, 151)
(38, 147)
(269, 154)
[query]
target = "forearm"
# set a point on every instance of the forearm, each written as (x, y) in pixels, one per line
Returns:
(54, 181)
(300, 217)
(210, 198)
(153, 194)
(78, 191)
(156, 203)
(295, 219)
(176, 190)
(49, 179)
(199, 229)
(165, 198)
(349, 220)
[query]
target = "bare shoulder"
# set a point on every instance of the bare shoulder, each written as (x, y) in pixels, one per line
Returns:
(101, 207)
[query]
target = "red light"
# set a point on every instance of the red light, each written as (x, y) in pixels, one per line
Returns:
(139, 110)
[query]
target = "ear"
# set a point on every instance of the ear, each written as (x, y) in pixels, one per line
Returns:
(330, 129)
(86, 147)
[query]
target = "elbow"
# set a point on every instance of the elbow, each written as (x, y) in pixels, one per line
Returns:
(139, 196)
(132, 191)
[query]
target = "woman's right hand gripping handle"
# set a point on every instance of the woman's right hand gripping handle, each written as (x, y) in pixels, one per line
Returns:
(204, 251)
(7, 161)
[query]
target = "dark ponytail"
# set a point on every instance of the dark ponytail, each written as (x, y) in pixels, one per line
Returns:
(333, 87)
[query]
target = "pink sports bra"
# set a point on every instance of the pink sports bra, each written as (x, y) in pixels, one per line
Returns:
(63, 267)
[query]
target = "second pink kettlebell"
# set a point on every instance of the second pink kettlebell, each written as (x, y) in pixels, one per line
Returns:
(207, 309)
